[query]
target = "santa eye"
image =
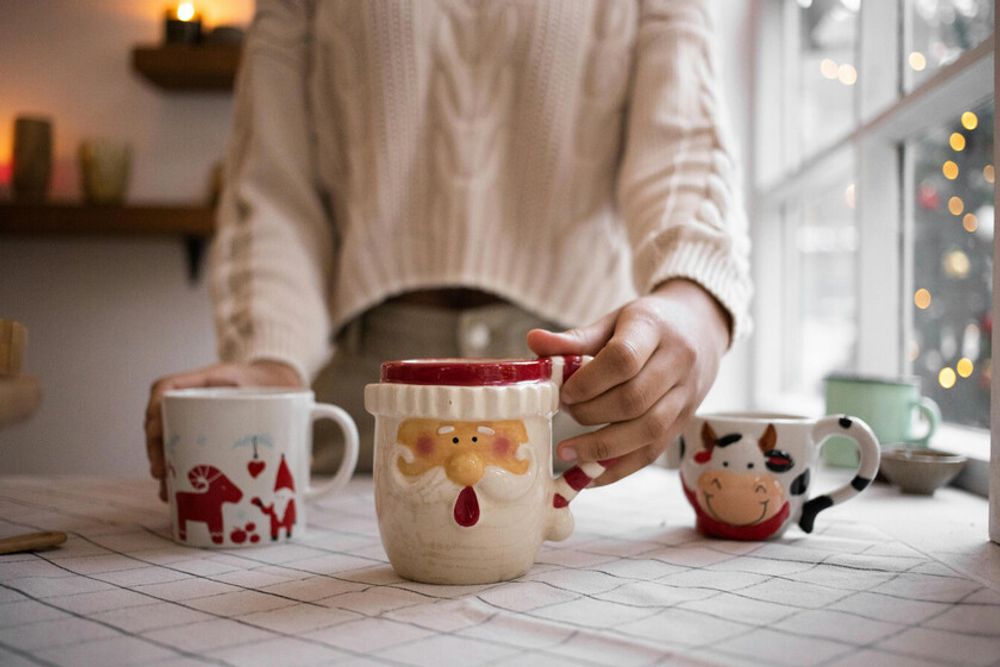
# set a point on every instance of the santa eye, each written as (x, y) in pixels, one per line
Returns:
(455, 440)
(749, 465)
(725, 464)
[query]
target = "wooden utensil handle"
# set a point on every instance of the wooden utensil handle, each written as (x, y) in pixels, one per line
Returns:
(31, 542)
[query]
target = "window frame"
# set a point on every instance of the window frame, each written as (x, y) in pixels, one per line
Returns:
(886, 118)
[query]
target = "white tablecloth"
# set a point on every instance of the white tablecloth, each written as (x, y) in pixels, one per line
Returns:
(634, 585)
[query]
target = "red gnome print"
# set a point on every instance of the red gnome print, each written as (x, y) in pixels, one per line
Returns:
(283, 481)
(212, 491)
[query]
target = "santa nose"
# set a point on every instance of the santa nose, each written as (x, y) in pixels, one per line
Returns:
(465, 468)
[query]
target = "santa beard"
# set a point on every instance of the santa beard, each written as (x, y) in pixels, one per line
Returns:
(496, 486)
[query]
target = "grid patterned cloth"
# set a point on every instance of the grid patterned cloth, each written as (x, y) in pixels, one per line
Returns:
(634, 585)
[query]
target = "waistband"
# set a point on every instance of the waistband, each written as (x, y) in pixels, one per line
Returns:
(395, 330)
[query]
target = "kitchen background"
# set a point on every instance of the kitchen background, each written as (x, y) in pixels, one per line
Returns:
(865, 132)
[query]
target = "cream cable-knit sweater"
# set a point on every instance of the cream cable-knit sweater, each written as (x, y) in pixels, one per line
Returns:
(563, 154)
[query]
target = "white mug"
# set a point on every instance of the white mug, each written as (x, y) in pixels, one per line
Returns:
(464, 490)
(238, 463)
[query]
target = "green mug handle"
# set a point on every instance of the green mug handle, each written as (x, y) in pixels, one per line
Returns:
(932, 415)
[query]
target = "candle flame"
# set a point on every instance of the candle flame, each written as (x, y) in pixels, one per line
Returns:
(185, 11)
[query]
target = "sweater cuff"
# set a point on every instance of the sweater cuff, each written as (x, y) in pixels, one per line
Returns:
(711, 266)
(273, 342)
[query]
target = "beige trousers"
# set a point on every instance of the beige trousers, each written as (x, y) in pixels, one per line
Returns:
(403, 331)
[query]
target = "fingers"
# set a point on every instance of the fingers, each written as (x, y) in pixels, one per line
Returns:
(582, 340)
(633, 398)
(622, 439)
(209, 376)
(630, 463)
(636, 337)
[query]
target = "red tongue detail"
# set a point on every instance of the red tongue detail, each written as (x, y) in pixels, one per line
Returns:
(467, 508)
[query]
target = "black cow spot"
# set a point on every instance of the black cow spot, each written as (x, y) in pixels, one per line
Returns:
(860, 483)
(800, 484)
(811, 509)
(845, 422)
(778, 461)
(727, 440)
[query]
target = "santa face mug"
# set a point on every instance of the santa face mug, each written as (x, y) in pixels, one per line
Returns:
(748, 475)
(463, 466)
(238, 463)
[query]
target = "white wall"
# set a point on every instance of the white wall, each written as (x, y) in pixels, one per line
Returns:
(108, 316)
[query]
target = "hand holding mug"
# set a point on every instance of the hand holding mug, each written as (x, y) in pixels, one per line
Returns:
(263, 373)
(654, 361)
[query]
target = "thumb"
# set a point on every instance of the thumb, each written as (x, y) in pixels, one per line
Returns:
(580, 340)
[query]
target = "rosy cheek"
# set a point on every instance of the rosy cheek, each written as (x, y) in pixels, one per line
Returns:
(502, 447)
(425, 445)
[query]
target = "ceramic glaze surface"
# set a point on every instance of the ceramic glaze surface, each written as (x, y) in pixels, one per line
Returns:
(463, 478)
(748, 477)
(238, 464)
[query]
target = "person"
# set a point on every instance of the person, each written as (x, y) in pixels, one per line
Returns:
(444, 178)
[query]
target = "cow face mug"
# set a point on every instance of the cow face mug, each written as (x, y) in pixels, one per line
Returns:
(748, 475)
(463, 466)
(238, 463)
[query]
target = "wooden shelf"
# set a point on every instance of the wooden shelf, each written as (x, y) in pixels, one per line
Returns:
(81, 219)
(182, 67)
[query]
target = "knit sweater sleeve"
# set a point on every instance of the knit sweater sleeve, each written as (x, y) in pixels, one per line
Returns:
(677, 188)
(272, 255)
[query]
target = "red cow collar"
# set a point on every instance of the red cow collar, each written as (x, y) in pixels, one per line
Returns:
(758, 531)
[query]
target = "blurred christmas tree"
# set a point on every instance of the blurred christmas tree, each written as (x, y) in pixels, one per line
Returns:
(953, 266)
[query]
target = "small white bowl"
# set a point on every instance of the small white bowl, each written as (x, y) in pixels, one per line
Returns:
(918, 470)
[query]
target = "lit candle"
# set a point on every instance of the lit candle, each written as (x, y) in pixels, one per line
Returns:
(183, 24)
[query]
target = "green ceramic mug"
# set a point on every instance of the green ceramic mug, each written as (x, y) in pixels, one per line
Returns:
(886, 404)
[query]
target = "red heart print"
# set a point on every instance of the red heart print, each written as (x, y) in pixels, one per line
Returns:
(255, 468)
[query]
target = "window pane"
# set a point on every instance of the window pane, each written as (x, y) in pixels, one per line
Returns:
(823, 313)
(826, 71)
(952, 258)
(940, 30)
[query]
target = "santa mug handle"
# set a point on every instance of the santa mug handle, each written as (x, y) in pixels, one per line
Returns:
(348, 461)
(572, 481)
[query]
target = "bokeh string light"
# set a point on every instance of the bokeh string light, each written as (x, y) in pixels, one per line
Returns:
(955, 205)
(917, 61)
(922, 299)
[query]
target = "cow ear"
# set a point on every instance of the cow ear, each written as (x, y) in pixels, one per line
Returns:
(769, 440)
(708, 437)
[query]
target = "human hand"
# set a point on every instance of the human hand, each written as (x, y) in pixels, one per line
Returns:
(654, 360)
(256, 374)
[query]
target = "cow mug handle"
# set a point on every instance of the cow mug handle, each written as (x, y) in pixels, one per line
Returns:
(348, 461)
(869, 451)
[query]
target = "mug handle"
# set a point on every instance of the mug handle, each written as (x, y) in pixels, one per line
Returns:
(932, 415)
(869, 450)
(350, 459)
(567, 485)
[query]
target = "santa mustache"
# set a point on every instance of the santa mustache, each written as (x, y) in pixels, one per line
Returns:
(496, 484)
